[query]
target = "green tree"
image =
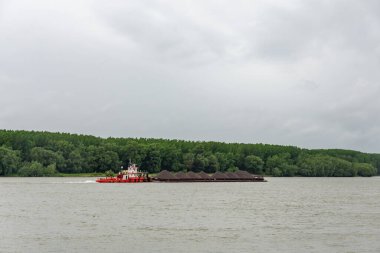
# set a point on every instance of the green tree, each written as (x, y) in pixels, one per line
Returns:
(198, 149)
(289, 170)
(222, 161)
(99, 159)
(277, 161)
(9, 161)
(36, 169)
(152, 161)
(50, 170)
(213, 164)
(134, 152)
(170, 158)
(62, 147)
(108, 160)
(324, 165)
(188, 161)
(200, 163)
(365, 169)
(253, 164)
(232, 169)
(343, 168)
(47, 157)
(75, 162)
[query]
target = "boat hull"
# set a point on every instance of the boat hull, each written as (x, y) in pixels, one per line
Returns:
(119, 180)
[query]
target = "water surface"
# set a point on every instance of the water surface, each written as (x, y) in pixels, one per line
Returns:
(282, 215)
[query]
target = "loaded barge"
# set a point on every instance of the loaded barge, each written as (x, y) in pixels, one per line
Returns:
(238, 176)
(133, 175)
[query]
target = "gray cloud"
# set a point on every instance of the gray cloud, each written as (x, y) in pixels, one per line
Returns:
(296, 72)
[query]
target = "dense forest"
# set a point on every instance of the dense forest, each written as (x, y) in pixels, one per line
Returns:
(30, 153)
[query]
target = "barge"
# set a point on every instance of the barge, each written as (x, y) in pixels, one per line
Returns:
(134, 175)
(238, 176)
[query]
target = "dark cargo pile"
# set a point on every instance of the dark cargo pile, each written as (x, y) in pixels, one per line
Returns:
(238, 176)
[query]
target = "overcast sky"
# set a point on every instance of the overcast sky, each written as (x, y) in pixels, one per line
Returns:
(303, 73)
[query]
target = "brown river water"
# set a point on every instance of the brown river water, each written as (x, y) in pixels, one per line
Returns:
(282, 215)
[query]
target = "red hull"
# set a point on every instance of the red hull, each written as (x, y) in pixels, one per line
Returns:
(119, 180)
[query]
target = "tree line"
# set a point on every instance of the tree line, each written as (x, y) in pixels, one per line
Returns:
(31, 153)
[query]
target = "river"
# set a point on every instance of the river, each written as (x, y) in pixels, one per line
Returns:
(282, 215)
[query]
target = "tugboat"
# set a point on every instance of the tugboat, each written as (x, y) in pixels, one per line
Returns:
(131, 175)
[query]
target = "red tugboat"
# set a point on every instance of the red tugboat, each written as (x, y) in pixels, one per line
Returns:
(131, 175)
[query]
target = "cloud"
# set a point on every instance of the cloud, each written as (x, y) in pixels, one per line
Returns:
(296, 72)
